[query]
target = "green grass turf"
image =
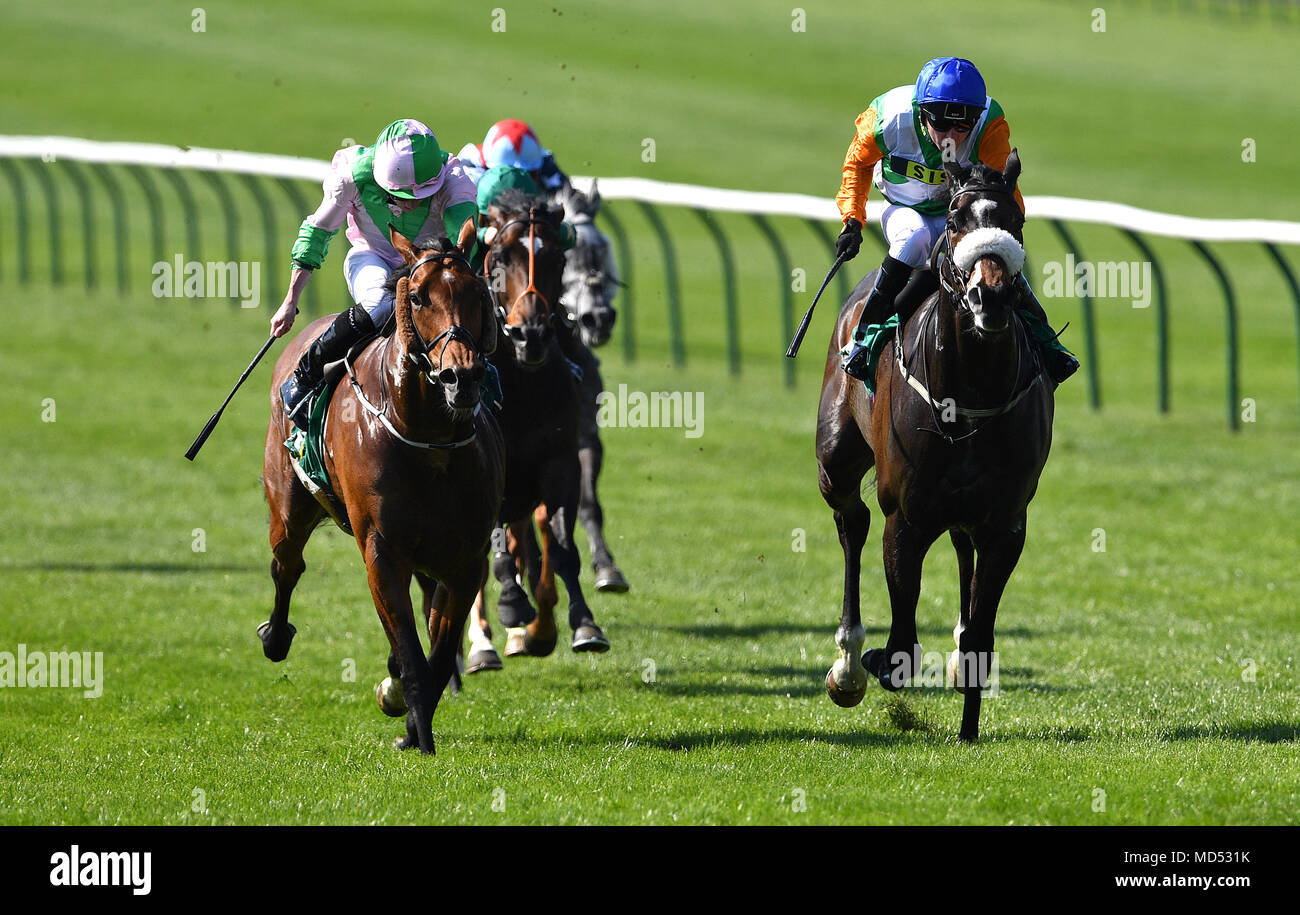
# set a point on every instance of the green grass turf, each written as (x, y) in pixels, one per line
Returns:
(1121, 671)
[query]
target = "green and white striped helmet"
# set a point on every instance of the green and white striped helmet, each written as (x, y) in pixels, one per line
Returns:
(408, 161)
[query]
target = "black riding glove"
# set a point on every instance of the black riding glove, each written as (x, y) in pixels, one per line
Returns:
(850, 240)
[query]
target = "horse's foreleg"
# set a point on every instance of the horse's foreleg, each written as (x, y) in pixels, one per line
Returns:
(965, 570)
(561, 553)
(999, 551)
(390, 585)
(482, 654)
(292, 521)
(447, 631)
(843, 459)
(591, 453)
(905, 550)
(524, 548)
(435, 599)
(513, 607)
(541, 634)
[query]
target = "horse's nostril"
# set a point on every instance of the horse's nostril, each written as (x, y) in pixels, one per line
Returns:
(447, 377)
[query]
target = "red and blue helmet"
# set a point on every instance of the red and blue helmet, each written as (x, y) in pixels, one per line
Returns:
(512, 143)
(950, 89)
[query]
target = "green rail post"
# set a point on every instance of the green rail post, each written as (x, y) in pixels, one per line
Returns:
(41, 168)
(304, 209)
(157, 229)
(787, 293)
(1089, 327)
(22, 220)
(626, 309)
(842, 276)
(676, 342)
(254, 187)
(114, 191)
(1162, 321)
(222, 191)
(88, 232)
(1289, 276)
(728, 288)
(182, 187)
(1230, 310)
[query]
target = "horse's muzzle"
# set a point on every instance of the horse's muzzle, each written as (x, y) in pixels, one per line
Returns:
(597, 325)
(532, 343)
(462, 387)
(990, 307)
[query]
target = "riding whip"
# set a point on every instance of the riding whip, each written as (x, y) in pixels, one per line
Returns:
(803, 325)
(212, 423)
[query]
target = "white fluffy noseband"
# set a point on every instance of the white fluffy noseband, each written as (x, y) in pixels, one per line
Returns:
(982, 242)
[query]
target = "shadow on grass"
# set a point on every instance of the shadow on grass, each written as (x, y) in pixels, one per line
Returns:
(715, 629)
(1258, 732)
(159, 568)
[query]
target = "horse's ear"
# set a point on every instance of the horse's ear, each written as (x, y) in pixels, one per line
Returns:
(403, 246)
(488, 328)
(465, 241)
(594, 196)
(956, 174)
(1011, 171)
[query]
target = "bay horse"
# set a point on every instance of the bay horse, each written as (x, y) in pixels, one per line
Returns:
(418, 469)
(959, 431)
(539, 418)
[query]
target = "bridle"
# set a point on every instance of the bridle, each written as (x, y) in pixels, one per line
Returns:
(956, 291)
(944, 246)
(532, 221)
(419, 355)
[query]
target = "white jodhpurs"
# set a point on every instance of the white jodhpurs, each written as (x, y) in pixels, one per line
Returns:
(911, 235)
(366, 272)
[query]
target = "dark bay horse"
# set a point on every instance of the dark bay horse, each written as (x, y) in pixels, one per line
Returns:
(417, 466)
(539, 419)
(959, 431)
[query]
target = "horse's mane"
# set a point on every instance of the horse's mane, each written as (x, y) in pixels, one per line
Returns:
(441, 245)
(514, 203)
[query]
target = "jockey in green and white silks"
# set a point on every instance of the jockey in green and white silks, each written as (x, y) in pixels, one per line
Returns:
(898, 146)
(404, 180)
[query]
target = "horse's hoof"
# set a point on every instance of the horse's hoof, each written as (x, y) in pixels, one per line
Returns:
(515, 643)
(389, 694)
(539, 646)
(481, 659)
(276, 650)
(403, 743)
(611, 580)
(877, 664)
(844, 698)
(588, 637)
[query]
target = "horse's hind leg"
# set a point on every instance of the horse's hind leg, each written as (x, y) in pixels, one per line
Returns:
(559, 552)
(447, 627)
(905, 550)
(294, 515)
(999, 551)
(541, 634)
(843, 459)
(965, 570)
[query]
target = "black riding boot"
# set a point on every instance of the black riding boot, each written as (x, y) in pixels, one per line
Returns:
(1059, 362)
(334, 343)
(891, 279)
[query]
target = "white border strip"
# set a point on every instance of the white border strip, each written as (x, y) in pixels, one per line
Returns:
(804, 206)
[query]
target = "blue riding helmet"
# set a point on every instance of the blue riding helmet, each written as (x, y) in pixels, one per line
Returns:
(951, 88)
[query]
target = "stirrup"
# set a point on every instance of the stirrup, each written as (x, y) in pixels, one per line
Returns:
(855, 363)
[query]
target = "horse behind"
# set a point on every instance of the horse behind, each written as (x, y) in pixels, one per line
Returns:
(959, 431)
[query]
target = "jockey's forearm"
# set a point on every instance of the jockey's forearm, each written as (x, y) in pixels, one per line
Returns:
(297, 283)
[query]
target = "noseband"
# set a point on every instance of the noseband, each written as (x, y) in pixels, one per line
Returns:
(420, 354)
(944, 247)
(532, 221)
